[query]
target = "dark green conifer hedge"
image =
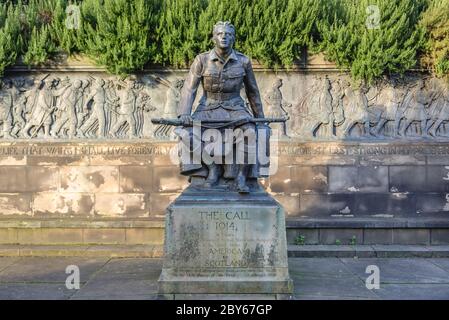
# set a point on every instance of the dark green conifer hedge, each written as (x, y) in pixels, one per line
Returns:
(370, 38)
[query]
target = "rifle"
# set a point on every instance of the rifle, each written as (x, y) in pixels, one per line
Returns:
(237, 122)
(47, 114)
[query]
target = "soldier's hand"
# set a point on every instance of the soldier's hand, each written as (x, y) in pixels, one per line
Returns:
(186, 119)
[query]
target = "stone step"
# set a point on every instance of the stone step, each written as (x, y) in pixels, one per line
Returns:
(430, 230)
(156, 251)
(112, 251)
(369, 251)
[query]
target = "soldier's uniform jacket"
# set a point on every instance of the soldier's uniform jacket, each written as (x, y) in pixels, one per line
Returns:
(5, 104)
(221, 81)
(128, 101)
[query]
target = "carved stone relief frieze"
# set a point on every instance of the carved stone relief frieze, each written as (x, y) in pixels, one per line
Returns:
(76, 106)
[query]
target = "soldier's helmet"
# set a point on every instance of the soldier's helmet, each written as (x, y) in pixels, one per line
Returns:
(420, 83)
(277, 83)
(100, 82)
(77, 83)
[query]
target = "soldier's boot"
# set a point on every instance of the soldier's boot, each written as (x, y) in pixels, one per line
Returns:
(72, 131)
(7, 134)
(433, 129)
(7, 131)
(432, 132)
(47, 131)
(424, 129)
(212, 176)
(26, 131)
(54, 133)
(241, 179)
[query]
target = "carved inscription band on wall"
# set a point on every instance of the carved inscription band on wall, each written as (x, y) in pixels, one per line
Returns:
(168, 149)
(328, 107)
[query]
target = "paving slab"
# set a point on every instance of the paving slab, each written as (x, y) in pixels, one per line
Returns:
(350, 288)
(34, 291)
(136, 278)
(116, 287)
(49, 269)
(328, 267)
(441, 262)
(400, 270)
(413, 291)
(6, 262)
(130, 268)
(132, 265)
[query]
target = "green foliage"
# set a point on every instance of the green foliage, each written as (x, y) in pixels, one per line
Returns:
(353, 241)
(177, 32)
(436, 22)
(38, 18)
(10, 36)
(370, 49)
(67, 29)
(300, 240)
(274, 32)
(125, 35)
(118, 33)
(40, 47)
(296, 29)
(216, 10)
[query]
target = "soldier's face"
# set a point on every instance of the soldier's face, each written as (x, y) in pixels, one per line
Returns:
(224, 37)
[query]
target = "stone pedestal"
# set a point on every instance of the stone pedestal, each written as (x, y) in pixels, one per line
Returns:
(225, 243)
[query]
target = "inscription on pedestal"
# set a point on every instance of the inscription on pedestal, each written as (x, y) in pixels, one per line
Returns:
(225, 244)
(223, 238)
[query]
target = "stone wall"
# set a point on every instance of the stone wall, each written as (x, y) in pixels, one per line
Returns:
(371, 163)
(101, 192)
(139, 179)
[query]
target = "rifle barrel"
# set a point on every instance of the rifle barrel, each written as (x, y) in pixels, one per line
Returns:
(177, 122)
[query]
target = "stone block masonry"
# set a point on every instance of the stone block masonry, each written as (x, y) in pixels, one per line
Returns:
(341, 182)
(86, 173)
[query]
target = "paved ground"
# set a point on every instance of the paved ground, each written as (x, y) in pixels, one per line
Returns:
(136, 278)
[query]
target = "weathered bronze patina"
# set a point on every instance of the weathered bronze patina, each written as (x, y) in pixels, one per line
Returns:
(222, 72)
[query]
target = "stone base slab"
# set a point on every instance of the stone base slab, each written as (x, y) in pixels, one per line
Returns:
(303, 251)
(188, 296)
(225, 243)
(380, 231)
(110, 251)
(214, 286)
